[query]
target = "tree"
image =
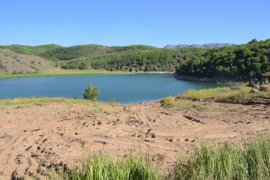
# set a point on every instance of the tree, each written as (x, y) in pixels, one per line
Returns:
(253, 41)
(83, 66)
(236, 62)
(1, 66)
(91, 93)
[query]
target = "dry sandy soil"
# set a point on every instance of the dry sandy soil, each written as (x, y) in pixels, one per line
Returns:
(37, 139)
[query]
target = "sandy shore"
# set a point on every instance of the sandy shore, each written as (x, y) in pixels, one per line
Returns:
(37, 139)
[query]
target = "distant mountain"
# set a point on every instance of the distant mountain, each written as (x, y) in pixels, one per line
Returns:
(210, 45)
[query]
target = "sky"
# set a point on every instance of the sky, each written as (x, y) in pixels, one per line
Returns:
(128, 22)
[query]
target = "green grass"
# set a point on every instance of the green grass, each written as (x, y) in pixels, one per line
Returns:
(62, 72)
(224, 93)
(98, 110)
(100, 167)
(248, 161)
(169, 102)
(31, 50)
(240, 162)
(172, 102)
(30, 102)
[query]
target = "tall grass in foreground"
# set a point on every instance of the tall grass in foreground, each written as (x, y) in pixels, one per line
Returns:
(236, 162)
(103, 168)
(240, 92)
(33, 101)
(224, 93)
(249, 161)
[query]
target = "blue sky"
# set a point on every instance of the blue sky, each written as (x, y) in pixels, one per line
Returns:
(126, 22)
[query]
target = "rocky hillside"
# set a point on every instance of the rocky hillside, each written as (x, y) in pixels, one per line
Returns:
(14, 63)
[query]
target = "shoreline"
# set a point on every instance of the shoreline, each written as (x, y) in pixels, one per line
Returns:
(207, 80)
(196, 79)
(75, 73)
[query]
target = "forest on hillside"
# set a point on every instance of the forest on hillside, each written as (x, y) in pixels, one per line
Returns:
(233, 62)
(126, 58)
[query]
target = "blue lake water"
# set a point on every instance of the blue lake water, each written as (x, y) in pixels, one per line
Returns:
(125, 89)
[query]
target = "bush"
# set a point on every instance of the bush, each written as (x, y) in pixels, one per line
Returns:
(1, 65)
(168, 101)
(91, 93)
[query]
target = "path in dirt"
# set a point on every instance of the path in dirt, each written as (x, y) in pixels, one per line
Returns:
(35, 140)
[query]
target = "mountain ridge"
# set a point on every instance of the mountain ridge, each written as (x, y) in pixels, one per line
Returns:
(207, 46)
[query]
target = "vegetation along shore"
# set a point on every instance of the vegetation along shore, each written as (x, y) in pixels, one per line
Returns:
(230, 63)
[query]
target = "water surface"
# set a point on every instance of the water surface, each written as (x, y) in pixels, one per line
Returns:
(125, 89)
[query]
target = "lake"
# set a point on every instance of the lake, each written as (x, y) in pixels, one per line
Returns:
(126, 89)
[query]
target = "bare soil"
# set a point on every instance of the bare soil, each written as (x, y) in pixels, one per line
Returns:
(36, 140)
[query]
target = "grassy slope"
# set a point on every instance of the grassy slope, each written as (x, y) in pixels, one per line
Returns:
(116, 58)
(53, 52)
(31, 50)
(30, 102)
(242, 92)
(14, 63)
(82, 51)
(62, 72)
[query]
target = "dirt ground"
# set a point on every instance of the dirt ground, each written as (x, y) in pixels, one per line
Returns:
(41, 138)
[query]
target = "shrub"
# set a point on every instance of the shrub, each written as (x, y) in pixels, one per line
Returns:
(1, 65)
(168, 101)
(91, 93)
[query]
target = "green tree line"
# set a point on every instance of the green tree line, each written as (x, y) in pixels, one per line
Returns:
(237, 62)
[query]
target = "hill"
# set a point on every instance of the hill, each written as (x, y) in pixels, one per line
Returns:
(30, 50)
(125, 58)
(237, 62)
(14, 63)
(210, 45)
(229, 62)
